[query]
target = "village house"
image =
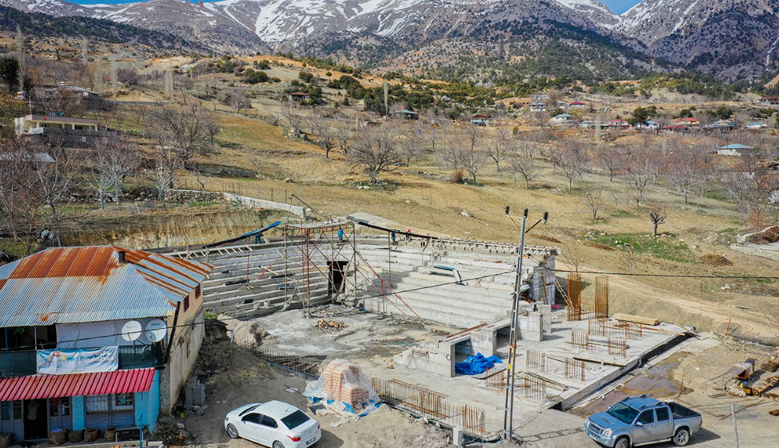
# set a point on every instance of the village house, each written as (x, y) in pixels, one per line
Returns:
(407, 114)
(577, 105)
(537, 107)
(648, 125)
(688, 121)
(733, 149)
(757, 125)
(299, 96)
(73, 131)
(479, 120)
(562, 119)
(96, 337)
(618, 124)
(723, 125)
(86, 98)
(768, 101)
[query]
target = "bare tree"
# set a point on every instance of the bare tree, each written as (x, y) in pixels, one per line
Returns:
(322, 128)
(594, 202)
(291, 112)
(521, 159)
(344, 138)
(657, 214)
(498, 146)
(642, 168)
(472, 156)
(33, 177)
(375, 150)
(410, 141)
(571, 160)
(114, 159)
(611, 160)
(685, 167)
(179, 135)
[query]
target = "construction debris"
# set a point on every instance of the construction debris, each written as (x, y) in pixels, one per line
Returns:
(327, 325)
(772, 365)
(344, 389)
(636, 319)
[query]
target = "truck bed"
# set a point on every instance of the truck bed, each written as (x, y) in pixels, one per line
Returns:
(680, 411)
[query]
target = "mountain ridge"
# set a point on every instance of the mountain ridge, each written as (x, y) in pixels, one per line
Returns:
(696, 34)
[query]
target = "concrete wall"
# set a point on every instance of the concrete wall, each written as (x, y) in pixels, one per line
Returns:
(438, 360)
(184, 348)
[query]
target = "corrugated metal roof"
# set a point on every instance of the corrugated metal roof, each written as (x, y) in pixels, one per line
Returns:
(89, 284)
(76, 384)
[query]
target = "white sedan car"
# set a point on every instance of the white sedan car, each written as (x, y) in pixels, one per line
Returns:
(275, 424)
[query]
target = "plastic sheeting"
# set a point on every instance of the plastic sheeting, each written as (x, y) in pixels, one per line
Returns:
(475, 365)
(344, 389)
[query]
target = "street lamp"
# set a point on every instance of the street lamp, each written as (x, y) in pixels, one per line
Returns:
(519, 288)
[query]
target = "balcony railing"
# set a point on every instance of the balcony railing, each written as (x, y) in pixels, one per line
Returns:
(20, 363)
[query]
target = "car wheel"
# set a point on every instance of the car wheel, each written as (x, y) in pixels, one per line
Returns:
(232, 432)
(622, 442)
(278, 444)
(682, 437)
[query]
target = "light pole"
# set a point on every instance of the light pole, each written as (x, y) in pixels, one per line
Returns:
(519, 288)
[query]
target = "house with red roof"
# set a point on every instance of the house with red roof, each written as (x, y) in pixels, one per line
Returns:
(687, 121)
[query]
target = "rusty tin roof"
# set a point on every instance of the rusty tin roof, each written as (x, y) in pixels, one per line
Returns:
(92, 284)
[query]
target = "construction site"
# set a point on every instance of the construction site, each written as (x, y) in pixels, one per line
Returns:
(410, 308)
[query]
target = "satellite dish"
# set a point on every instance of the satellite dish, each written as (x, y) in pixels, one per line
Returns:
(156, 330)
(131, 330)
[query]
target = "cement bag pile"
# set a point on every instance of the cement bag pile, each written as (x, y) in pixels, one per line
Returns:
(344, 389)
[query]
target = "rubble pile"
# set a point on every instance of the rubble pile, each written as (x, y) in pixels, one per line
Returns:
(326, 325)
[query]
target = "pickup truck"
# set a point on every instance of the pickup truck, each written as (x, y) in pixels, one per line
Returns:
(641, 421)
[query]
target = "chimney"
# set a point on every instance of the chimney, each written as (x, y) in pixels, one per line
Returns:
(121, 257)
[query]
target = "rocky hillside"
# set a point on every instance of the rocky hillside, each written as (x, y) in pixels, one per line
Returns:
(731, 39)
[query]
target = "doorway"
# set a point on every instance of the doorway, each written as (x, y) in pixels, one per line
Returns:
(337, 276)
(35, 421)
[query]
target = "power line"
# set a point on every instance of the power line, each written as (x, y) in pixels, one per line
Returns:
(724, 277)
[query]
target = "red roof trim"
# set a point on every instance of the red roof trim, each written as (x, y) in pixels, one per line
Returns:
(74, 385)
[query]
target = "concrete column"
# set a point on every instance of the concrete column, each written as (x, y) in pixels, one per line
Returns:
(535, 328)
(546, 310)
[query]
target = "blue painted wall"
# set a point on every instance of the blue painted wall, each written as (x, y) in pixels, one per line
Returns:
(147, 405)
(79, 413)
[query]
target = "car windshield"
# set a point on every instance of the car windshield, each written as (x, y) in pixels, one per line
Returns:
(247, 410)
(623, 413)
(294, 419)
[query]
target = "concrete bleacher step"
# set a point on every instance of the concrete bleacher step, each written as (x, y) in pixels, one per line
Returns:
(454, 316)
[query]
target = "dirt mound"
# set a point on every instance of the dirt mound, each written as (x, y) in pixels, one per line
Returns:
(546, 238)
(715, 260)
(597, 245)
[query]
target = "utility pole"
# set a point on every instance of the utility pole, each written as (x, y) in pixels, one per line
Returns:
(508, 410)
(735, 425)
(20, 49)
(386, 99)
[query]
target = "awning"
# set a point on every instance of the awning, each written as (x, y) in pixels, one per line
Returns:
(76, 384)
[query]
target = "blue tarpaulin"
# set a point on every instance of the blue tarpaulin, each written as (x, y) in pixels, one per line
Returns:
(475, 365)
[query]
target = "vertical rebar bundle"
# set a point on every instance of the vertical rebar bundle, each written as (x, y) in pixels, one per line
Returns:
(601, 297)
(574, 369)
(580, 339)
(574, 296)
(536, 360)
(617, 346)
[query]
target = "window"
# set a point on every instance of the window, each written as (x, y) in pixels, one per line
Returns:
(59, 407)
(269, 422)
(186, 303)
(107, 404)
(295, 419)
(198, 292)
(252, 418)
(662, 414)
(646, 417)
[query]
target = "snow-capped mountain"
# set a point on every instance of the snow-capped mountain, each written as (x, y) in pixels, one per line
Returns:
(730, 38)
